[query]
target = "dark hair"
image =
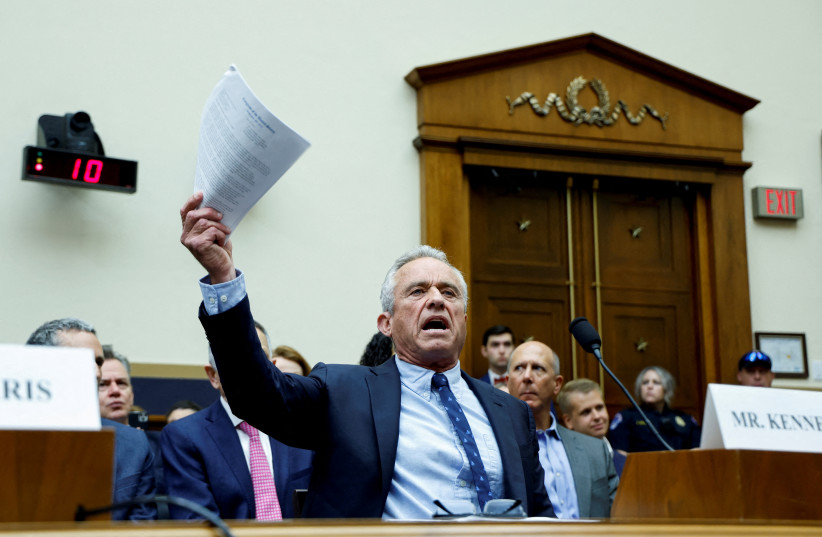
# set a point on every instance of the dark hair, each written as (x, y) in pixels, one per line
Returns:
(378, 350)
(185, 403)
(496, 330)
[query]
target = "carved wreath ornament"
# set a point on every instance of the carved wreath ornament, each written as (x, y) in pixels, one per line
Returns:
(600, 115)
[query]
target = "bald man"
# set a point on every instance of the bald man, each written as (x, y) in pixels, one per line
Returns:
(579, 471)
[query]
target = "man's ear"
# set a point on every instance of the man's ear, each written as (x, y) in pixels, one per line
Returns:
(213, 377)
(567, 421)
(559, 382)
(384, 323)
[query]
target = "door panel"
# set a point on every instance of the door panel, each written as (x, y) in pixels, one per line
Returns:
(641, 235)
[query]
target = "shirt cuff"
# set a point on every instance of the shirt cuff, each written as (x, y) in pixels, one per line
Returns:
(222, 296)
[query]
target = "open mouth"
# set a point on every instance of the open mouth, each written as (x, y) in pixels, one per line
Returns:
(435, 324)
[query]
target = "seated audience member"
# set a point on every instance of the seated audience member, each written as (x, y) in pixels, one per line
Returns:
(378, 350)
(133, 459)
(265, 341)
(219, 461)
(654, 390)
(579, 470)
(115, 391)
(755, 369)
(497, 344)
(288, 360)
(583, 410)
(181, 409)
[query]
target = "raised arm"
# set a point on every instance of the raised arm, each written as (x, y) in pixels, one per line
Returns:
(207, 239)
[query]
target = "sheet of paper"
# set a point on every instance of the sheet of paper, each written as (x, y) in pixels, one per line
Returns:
(244, 149)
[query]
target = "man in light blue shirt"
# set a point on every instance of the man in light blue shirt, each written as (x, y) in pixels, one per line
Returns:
(387, 444)
(579, 472)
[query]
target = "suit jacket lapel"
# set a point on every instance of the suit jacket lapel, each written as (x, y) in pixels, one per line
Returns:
(384, 391)
(227, 443)
(513, 478)
(579, 468)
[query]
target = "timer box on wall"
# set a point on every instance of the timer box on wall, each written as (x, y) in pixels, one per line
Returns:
(73, 168)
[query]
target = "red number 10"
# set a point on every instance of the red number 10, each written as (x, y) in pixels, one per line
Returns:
(93, 170)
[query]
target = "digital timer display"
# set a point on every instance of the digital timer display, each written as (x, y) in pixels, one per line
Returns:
(79, 169)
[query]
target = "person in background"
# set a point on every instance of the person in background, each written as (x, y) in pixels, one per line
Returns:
(114, 389)
(210, 458)
(133, 458)
(497, 344)
(379, 350)
(181, 409)
(265, 341)
(754, 369)
(583, 410)
(288, 360)
(654, 389)
(579, 471)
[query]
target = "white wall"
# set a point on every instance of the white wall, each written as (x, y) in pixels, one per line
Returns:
(316, 247)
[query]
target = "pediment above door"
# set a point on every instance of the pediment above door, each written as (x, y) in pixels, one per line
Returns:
(579, 92)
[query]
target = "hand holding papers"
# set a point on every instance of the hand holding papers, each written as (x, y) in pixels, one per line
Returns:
(244, 149)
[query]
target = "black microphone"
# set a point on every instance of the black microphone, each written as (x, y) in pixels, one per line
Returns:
(586, 335)
(588, 338)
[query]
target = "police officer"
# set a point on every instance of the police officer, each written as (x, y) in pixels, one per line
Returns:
(654, 388)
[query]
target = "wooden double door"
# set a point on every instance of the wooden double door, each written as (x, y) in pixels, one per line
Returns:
(546, 248)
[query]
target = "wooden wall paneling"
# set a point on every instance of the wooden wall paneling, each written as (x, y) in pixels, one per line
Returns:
(706, 311)
(444, 201)
(732, 298)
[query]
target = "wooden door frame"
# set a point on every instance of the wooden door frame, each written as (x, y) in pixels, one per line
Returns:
(719, 223)
(460, 123)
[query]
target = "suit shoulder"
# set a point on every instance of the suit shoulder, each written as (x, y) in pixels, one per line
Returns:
(125, 433)
(580, 437)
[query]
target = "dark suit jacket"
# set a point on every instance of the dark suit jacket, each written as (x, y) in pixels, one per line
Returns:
(485, 378)
(133, 471)
(349, 415)
(204, 463)
(595, 477)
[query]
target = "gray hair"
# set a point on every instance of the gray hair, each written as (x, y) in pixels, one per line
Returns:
(668, 382)
(262, 329)
(556, 362)
(110, 354)
(48, 334)
(211, 361)
(390, 282)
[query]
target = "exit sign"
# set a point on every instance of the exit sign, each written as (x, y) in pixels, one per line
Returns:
(777, 202)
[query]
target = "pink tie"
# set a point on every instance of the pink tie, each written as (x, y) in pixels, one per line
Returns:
(266, 503)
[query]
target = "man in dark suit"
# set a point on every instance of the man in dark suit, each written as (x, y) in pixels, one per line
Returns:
(133, 458)
(206, 462)
(383, 436)
(497, 344)
(579, 471)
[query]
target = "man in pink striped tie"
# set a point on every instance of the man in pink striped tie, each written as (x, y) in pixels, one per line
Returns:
(217, 460)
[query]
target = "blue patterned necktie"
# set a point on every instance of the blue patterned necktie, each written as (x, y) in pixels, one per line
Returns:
(454, 410)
